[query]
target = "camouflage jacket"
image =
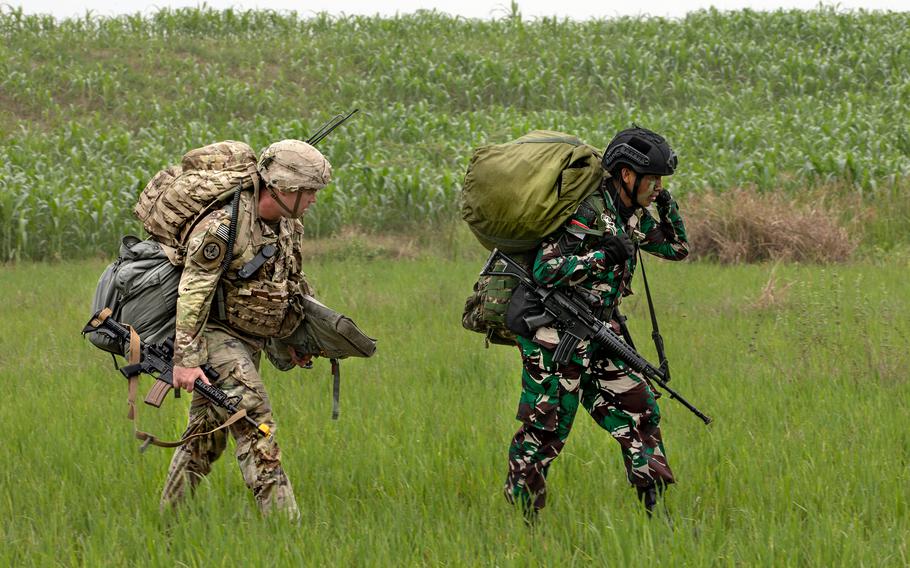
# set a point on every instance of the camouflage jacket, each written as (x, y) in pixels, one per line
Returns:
(572, 257)
(263, 305)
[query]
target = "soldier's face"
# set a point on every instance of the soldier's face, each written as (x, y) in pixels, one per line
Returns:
(648, 189)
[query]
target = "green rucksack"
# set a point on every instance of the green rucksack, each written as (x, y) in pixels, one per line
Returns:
(517, 193)
(514, 195)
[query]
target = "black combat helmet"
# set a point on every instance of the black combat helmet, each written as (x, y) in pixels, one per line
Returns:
(646, 152)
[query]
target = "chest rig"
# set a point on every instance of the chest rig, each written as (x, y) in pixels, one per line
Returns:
(605, 221)
(261, 289)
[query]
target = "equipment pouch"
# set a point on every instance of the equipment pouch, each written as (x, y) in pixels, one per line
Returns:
(323, 333)
(260, 308)
(526, 313)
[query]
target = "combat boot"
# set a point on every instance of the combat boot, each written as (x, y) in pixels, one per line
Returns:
(648, 497)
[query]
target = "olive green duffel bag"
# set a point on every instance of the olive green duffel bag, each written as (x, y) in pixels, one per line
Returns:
(517, 193)
(322, 333)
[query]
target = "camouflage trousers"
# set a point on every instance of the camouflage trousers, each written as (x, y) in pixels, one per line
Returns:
(618, 399)
(259, 457)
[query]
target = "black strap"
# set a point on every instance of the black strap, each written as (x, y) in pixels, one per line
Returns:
(232, 231)
(655, 331)
(336, 388)
(218, 305)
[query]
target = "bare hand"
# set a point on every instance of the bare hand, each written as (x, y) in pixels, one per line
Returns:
(305, 361)
(185, 377)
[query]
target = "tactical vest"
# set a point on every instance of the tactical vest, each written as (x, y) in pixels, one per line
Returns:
(263, 286)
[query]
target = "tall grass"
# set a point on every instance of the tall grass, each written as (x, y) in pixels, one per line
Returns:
(91, 107)
(805, 465)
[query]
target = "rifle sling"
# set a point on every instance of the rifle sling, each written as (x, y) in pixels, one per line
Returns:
(336, 389)
(134, 355)
(159, 387)
(149, 439)
(655, 331)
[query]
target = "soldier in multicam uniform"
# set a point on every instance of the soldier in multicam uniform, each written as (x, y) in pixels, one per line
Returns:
(253, 308)
(617, 398)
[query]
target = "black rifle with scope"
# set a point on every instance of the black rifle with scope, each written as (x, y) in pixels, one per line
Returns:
(571, 315)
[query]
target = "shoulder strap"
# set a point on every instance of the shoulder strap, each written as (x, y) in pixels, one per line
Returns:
(235, 218)
(592, 207)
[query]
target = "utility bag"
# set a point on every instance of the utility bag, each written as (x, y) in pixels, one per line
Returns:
(322, 333)
(485, 309)
(140, 288)
(517, 193)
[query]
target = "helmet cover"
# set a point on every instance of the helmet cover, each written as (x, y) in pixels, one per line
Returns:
(292, 165)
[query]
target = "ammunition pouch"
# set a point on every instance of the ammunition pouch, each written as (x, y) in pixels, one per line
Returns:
(262, 308)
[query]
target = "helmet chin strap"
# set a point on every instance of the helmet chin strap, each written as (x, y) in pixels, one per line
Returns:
(293, 214)
(632, 193)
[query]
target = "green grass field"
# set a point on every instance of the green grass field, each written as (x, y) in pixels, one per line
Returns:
(805, 465)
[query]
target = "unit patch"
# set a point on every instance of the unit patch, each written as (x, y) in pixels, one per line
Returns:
(211, 251)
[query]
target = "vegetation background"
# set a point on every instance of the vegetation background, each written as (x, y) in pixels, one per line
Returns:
(91, 108)
(791, 134)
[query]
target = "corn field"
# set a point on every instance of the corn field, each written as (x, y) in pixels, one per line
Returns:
(91, 108)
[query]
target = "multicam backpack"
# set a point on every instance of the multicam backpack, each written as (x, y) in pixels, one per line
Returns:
(140, 287)
(179, 196)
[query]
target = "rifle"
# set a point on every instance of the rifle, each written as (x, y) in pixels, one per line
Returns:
(655, 331)
(155, 360)
(572, 317)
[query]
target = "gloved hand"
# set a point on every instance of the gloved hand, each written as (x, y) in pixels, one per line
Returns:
(663, 198)
(617, 248)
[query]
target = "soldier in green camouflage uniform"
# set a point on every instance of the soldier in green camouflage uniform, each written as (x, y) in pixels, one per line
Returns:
(618, 399)
(251, 308)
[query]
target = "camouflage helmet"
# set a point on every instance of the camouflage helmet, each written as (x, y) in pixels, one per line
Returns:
(646, 152)
(292, 165)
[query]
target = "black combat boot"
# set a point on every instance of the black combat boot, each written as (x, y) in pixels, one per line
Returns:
(648, 496)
